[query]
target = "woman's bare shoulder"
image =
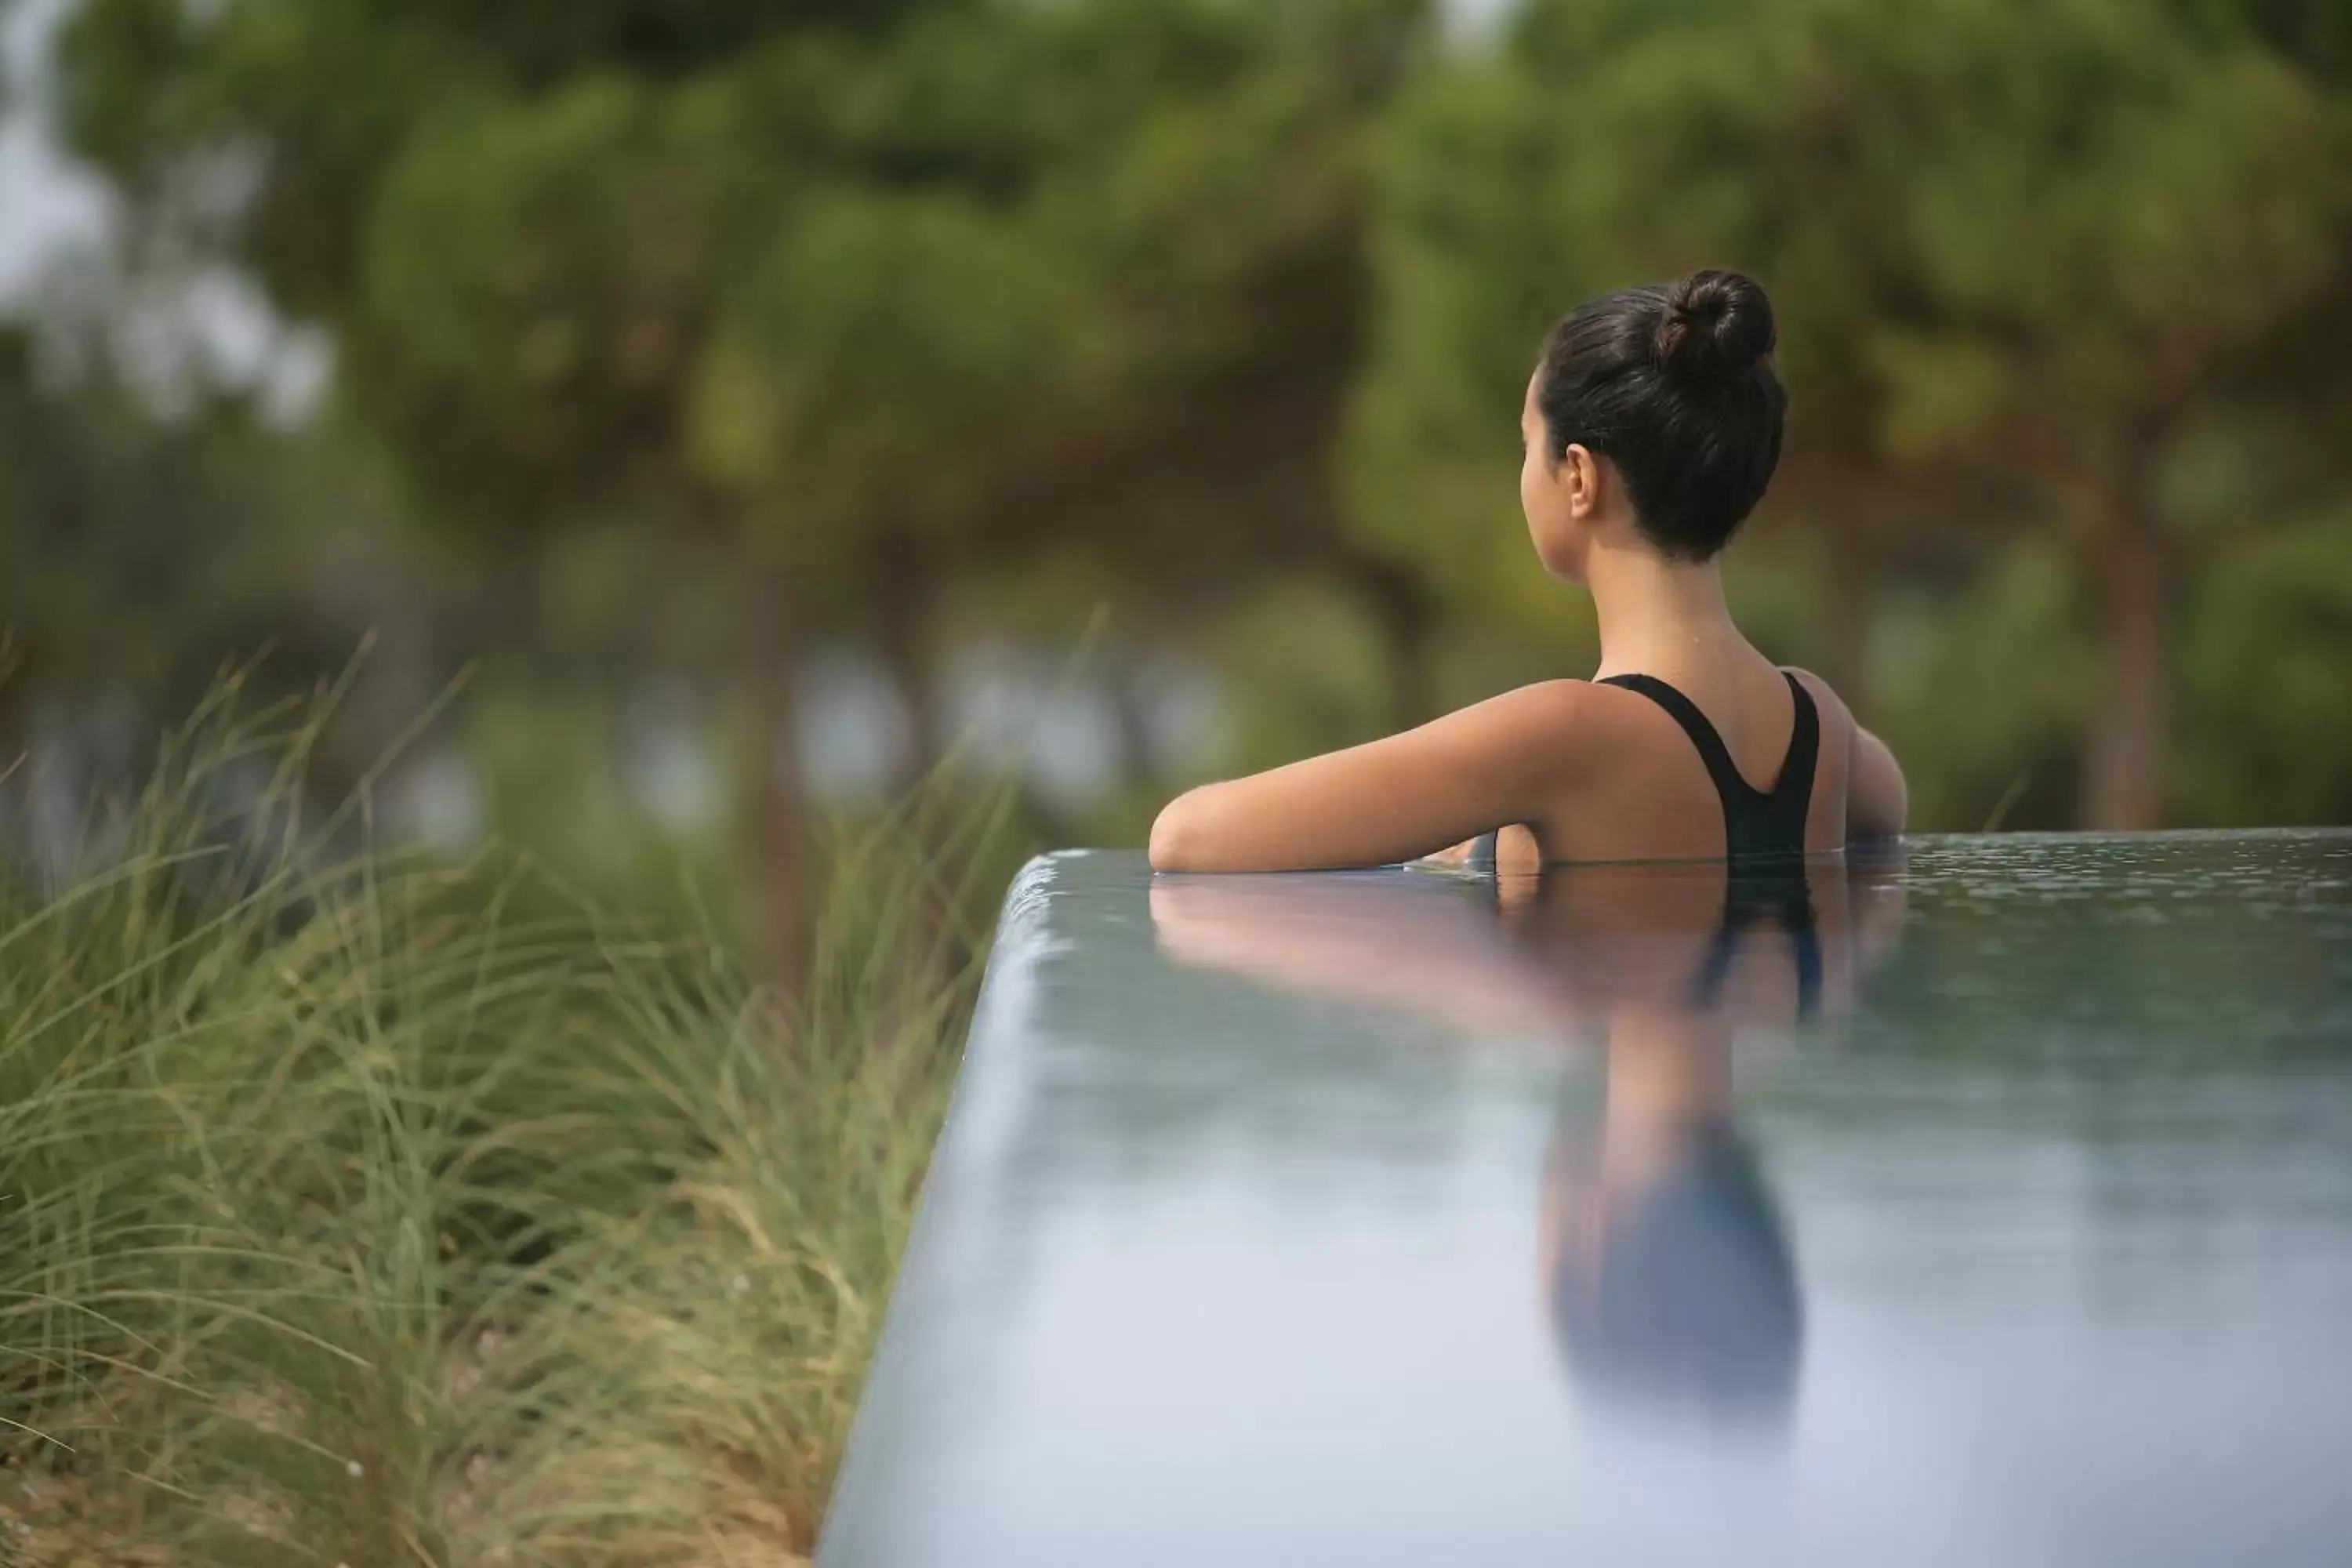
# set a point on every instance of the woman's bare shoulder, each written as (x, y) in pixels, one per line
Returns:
(1538, 702)
(1562, 727)
(1878, 799)
(1834, 711)
(1560, 708)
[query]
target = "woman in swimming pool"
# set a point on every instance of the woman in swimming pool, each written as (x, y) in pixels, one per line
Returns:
(1651, 427)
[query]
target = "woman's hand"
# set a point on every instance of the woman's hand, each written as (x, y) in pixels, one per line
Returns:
(1517, 854)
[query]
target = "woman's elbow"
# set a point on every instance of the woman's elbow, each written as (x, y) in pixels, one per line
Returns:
(1876, 826)
(1175, 835)
(1879, 805)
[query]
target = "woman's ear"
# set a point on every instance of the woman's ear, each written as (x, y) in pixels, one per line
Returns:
(1580, 479)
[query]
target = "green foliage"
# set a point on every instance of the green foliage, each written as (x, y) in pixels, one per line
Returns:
(535, 276)
(1984, 697)
(2266, 651)
(355, 1214)
(134, 550)
(630, 253)
(1431, 442)
(885, 357)
(1333, 690)
(857, 294)
(2161, 199)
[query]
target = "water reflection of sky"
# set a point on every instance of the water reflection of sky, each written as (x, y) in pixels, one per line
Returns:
(1242, 1258)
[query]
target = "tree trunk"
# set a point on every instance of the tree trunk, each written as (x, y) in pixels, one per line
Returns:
(2130, 735)
(777, 805)
(1406, 617)
(901, 589)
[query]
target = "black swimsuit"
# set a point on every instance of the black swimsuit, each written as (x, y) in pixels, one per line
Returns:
(1764, 840)
(1756, 822)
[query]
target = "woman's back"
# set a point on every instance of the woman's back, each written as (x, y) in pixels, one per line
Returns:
(1705, 762)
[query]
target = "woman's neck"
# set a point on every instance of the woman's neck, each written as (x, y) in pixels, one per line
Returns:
(1656, 614)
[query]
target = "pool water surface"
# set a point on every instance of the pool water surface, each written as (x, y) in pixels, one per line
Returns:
(1989, 1203)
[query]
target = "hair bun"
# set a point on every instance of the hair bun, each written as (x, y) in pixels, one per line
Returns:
(1718, 326)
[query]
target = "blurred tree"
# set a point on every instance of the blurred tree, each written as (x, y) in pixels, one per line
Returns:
(2021, 253)
(1229, 234)
(131, 541)
(2266, 660)
(2172, 197)
(860, 288)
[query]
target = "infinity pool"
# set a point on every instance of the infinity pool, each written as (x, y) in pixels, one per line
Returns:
(1990, 1206)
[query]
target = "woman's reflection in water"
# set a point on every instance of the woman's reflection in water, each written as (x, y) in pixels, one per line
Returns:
(1663, 1257)
(1667, 1276)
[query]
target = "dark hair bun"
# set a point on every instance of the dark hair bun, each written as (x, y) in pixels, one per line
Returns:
(1673, 384)
(1718, 326)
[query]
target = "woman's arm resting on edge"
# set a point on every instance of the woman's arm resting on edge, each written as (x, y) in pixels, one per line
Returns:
(1376, 804)
(1876, 799)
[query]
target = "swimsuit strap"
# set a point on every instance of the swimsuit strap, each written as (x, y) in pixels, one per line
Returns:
(1755, 821)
